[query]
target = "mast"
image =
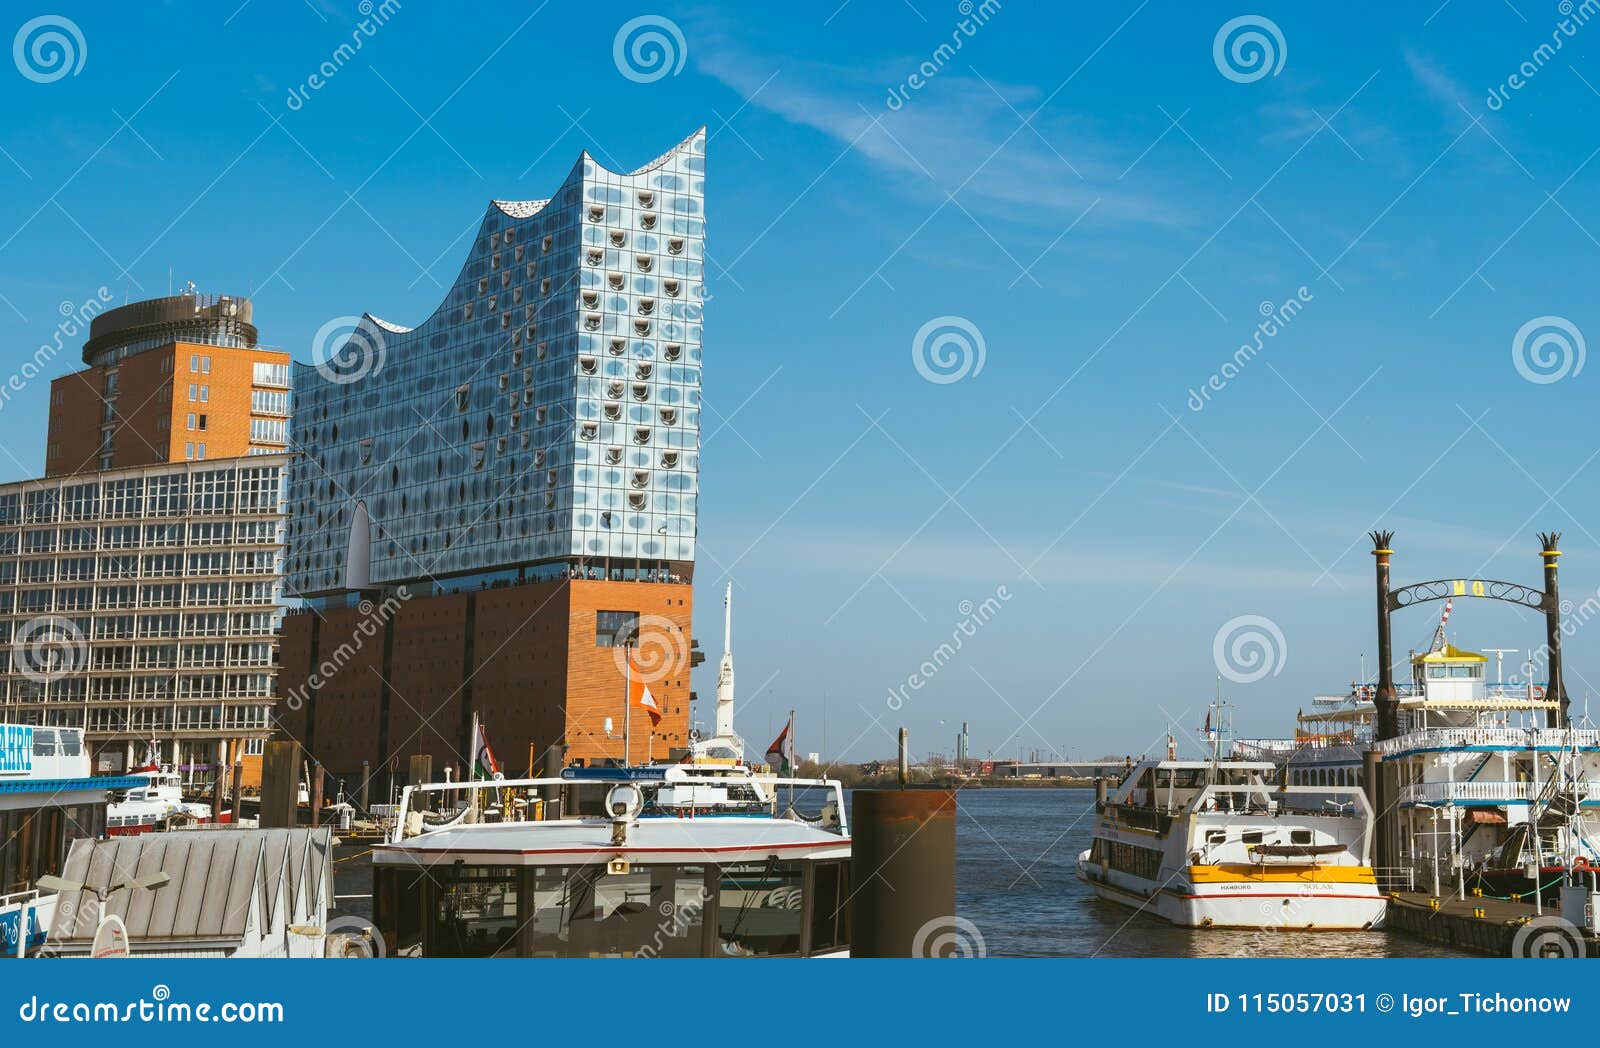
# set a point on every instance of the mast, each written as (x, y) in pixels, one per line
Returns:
(725, 670)
(627, 705)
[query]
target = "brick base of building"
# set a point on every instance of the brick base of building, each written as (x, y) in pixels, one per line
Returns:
(401, 675)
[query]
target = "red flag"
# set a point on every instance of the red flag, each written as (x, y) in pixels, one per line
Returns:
(778, 754)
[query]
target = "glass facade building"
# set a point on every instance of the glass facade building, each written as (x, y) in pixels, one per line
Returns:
(545, 419)
(144, 604)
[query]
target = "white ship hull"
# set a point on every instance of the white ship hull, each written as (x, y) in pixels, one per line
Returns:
(1272, 901)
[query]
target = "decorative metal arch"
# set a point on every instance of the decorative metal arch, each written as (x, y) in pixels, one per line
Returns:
(1441, 589)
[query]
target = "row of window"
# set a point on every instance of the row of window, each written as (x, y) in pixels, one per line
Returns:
(130, 536)
(167, 625)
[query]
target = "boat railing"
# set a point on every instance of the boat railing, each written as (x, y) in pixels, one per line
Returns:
(1395, 878)
(469, 802)
(1507, 738)
(1486, 791)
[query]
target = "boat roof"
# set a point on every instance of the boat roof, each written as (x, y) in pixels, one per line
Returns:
(1229, 765)
(589, 840)
(1450, 653)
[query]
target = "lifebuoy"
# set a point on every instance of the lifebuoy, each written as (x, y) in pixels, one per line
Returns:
(1581, 863)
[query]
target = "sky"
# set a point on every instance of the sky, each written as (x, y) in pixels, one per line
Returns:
(1038, 371)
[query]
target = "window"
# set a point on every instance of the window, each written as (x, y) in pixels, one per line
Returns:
(188, 450)
(830, 906)
(194, 392)
(758, 909)
(269, 430)
(202, 426)
(475, 911)
(190, 425)
(205, 394)
(612, 629)
(271, 375)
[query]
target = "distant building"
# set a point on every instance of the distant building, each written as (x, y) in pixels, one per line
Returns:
(142, 605)
(516, 480)
(169, 380)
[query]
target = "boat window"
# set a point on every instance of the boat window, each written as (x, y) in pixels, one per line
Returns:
(1215, 836)
(1299, 836)
(758, 909)
(475, 912)
(585, 911)
(1251, 837)
(830, 907)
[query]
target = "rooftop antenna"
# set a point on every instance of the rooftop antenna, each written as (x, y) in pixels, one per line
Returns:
(1500, 663)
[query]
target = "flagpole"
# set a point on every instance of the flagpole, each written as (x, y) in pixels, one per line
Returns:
(627, 701)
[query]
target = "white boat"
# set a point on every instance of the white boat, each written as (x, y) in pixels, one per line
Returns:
(158, 804)
(1223, 844)
(1490, 787)
(665, 860)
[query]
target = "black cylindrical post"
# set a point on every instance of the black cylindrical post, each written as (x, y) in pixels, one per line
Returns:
(903, 874)
(366, 782)
(1555, 687)
(1385, 703)
(1100, 791)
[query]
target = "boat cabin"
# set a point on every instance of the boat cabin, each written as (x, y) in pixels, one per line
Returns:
(668, 863)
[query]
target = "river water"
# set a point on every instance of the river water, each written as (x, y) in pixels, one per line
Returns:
(1016, 881)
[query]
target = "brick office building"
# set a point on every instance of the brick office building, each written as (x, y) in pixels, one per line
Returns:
(486, 507)
(169, 380)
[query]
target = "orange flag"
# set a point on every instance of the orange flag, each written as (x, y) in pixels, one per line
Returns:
(640, 696)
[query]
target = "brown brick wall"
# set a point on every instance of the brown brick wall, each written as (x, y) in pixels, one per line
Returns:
(539, 677)
(75, 422)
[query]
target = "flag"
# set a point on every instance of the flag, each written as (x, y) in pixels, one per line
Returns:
(484, 765)
(780, 754)
(641, 697)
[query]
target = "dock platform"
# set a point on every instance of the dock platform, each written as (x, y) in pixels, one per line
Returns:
(1479, 924)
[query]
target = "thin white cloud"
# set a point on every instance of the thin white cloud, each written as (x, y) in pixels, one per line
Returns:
(962, 133)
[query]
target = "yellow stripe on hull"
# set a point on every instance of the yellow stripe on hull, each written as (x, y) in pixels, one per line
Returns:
(1282, 874)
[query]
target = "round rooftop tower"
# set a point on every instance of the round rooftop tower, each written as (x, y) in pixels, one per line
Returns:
(212, 320)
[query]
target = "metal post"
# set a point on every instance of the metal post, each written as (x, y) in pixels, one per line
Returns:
(1385, 703)
(280, 783)
(317, 773)
(1555, 687)
(903, 855)
(366, 779)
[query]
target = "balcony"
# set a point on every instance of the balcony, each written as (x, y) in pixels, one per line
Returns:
(1480, 793)
(1488, 738)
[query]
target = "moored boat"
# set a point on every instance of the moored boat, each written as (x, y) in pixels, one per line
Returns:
(663, 860)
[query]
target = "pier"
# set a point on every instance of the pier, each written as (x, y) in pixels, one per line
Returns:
(1478, 924)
